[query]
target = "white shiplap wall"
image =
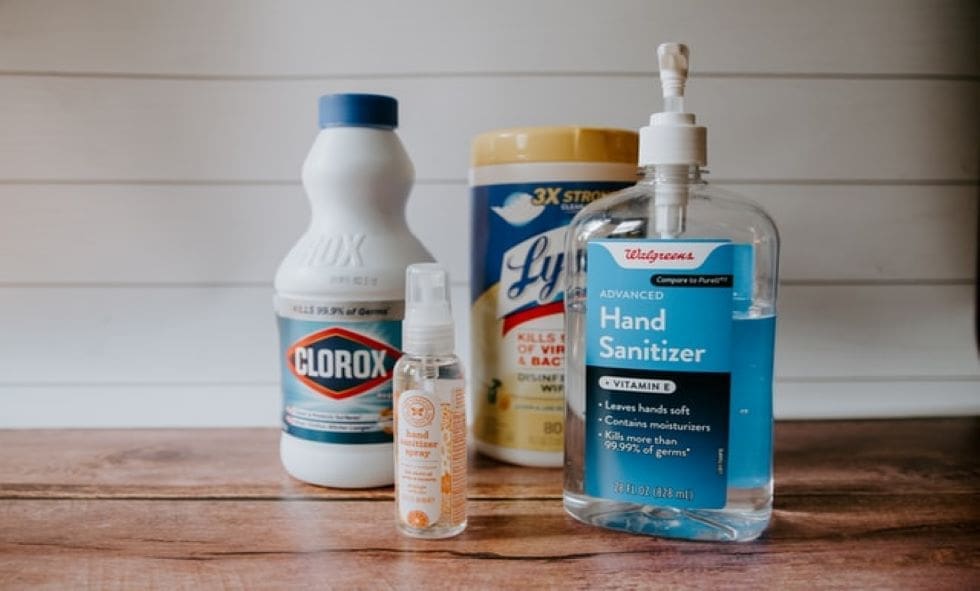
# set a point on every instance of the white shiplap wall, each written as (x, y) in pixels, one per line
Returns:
(150, 152)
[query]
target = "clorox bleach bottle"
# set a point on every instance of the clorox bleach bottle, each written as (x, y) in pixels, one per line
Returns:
(340, 297)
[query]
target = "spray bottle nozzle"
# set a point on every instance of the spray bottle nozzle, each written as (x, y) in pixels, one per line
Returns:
(428, 325)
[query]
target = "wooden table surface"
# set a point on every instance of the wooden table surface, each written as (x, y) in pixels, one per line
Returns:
(859, 504)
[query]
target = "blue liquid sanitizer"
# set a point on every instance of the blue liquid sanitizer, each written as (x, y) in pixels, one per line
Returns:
(670, 304)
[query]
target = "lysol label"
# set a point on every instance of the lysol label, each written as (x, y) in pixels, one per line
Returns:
(517, 315)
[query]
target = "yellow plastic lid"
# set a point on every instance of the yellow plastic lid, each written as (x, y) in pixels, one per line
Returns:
(555, 144)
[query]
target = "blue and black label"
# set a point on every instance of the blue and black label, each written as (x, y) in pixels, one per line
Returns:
(519, 239)
(337, 369)
(658, 371)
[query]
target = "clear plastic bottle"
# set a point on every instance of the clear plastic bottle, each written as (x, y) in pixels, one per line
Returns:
(670, 317)
(430, 413)
(340, 297)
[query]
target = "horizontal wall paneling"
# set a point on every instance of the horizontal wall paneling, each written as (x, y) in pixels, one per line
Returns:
(70, 129)
(227, 335)
(238, 234)
(315, 38)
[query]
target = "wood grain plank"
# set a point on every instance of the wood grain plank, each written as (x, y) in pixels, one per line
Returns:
(79, 129)
(914, 457)
(889, 541)
(309, 38)
(812, 458)
(163, 463)
(903, 531)
(226, 335)
(126, 233)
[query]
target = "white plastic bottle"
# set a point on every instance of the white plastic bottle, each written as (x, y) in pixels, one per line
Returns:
(340, 297)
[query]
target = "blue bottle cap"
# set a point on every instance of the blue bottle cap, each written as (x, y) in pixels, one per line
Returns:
(359, 110)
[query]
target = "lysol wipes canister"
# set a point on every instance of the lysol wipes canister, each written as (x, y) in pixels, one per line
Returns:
(527, 185)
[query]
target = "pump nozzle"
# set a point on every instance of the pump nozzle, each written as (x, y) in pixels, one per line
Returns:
(673, 143)
(673, 136)
(673, 59)
(428, 325)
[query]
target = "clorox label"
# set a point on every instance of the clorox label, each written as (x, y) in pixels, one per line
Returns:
(338, 359)
(340, 363)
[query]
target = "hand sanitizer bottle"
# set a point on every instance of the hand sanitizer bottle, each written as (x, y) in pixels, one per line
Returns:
(430, 412)
(670, 314)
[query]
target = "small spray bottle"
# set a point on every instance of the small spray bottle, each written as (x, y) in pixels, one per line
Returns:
(430, 412)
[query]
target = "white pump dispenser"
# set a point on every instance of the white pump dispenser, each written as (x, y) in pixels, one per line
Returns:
(672, 142)
(672, 136)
